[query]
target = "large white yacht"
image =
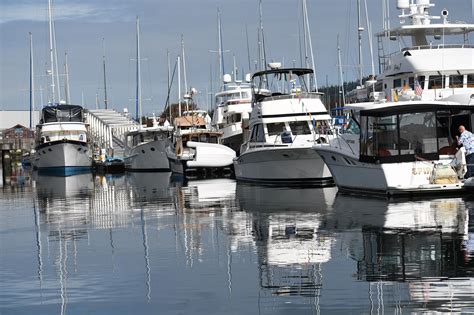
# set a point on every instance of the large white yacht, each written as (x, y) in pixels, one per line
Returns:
(400, 148)
(432, 61)
(194, 147)
(286, 120)
(61, 141)
(232, 112)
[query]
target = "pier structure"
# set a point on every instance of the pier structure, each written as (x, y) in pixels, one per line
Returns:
(108, 128)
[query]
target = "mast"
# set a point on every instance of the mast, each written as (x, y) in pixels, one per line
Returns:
(360, 29)
(169, 83)
(248, 47)
(32, 82)
(52, 99)
(179, 86)
(66, 83)
(186, 99)
(138, 105)
(262, 38)
(235, 69)
(369, 35)
(341, 78)
(305, 36)
(310, 45)
(104, 73)
(220, 52)
(58, 86)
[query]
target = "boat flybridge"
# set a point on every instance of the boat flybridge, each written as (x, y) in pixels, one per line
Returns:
(402, 148)
(287, 119)
(232, 112)
(195, 148)
(145, 148)
(438, 65)
(62, 146)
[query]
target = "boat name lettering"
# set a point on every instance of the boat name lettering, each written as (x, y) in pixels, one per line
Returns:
(421, 170)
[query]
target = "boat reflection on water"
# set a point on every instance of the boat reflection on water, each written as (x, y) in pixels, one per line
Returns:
(153, 186)
(291, 247)
(64, 201)
(426, 244)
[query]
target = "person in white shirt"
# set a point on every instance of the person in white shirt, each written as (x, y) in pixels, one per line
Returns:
(466, 139)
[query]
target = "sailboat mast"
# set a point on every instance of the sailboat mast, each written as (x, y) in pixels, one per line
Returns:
(360, 29)
(66, 83)
(52, 99)
(179, 86)
(169, 83)
(138, 105)
(262, 38)
(220, 52)
(305, 35)
(248, 47)
(106, 101)
(369, 35)
(341, 79)
(32, 82)
(310, 46)
(186, 99)
(58, 86)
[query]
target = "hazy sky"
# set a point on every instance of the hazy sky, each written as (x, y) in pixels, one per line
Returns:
(81, 25)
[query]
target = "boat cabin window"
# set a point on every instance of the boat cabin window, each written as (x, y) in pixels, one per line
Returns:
(258, 134)
(470, 80)
(456, 81)
(352, 127)
(275, 129)
(404, 137)
(397, 83)
(435, 82)
(299, 127)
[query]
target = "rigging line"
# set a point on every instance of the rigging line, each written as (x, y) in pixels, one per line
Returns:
(171, 84)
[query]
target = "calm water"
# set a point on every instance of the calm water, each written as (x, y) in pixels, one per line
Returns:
(146, 244)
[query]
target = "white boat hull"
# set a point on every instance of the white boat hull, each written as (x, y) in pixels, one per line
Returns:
(206, 156)
(150, 156)
(63, 157)
(406, 178)
(282, 165)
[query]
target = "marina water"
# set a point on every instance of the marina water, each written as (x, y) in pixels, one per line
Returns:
(146, 243)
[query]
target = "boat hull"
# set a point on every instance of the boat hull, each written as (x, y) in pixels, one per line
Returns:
(147, 157)
(283, 166)
(63, 157)
(389, 179)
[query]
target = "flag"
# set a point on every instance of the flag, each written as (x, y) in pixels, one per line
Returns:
(418, 88)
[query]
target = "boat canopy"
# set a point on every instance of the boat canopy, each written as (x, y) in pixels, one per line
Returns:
(62, 113)
(296, 71)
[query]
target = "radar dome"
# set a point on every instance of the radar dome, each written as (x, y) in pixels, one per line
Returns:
(403, 4)
(227, 78)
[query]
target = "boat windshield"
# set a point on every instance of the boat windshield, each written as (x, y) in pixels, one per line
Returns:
(411, 136)
(285, 82)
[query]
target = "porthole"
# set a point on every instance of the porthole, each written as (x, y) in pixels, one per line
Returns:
(143, 151)
(44, 152)
(49, 149)
(78, 149)
(333, 158)
(152, 149)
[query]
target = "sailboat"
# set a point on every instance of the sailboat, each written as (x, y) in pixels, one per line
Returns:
(62, 139)
(145, 147)
(194, 147)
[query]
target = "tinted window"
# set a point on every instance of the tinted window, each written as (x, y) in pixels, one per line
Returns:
(456, 81)
(299, 127)
(435, 82)
(418, 133)
(275, 128)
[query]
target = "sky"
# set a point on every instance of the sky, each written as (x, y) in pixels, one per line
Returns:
(81, 26)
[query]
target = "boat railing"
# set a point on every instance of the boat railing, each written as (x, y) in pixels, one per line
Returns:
(428, 47)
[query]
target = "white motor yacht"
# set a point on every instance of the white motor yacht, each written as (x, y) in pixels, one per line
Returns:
(232, 112)
(145, 149)
(286, 120)
(61, 141)
(400, 148)
(194, 147)
(432, 61)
